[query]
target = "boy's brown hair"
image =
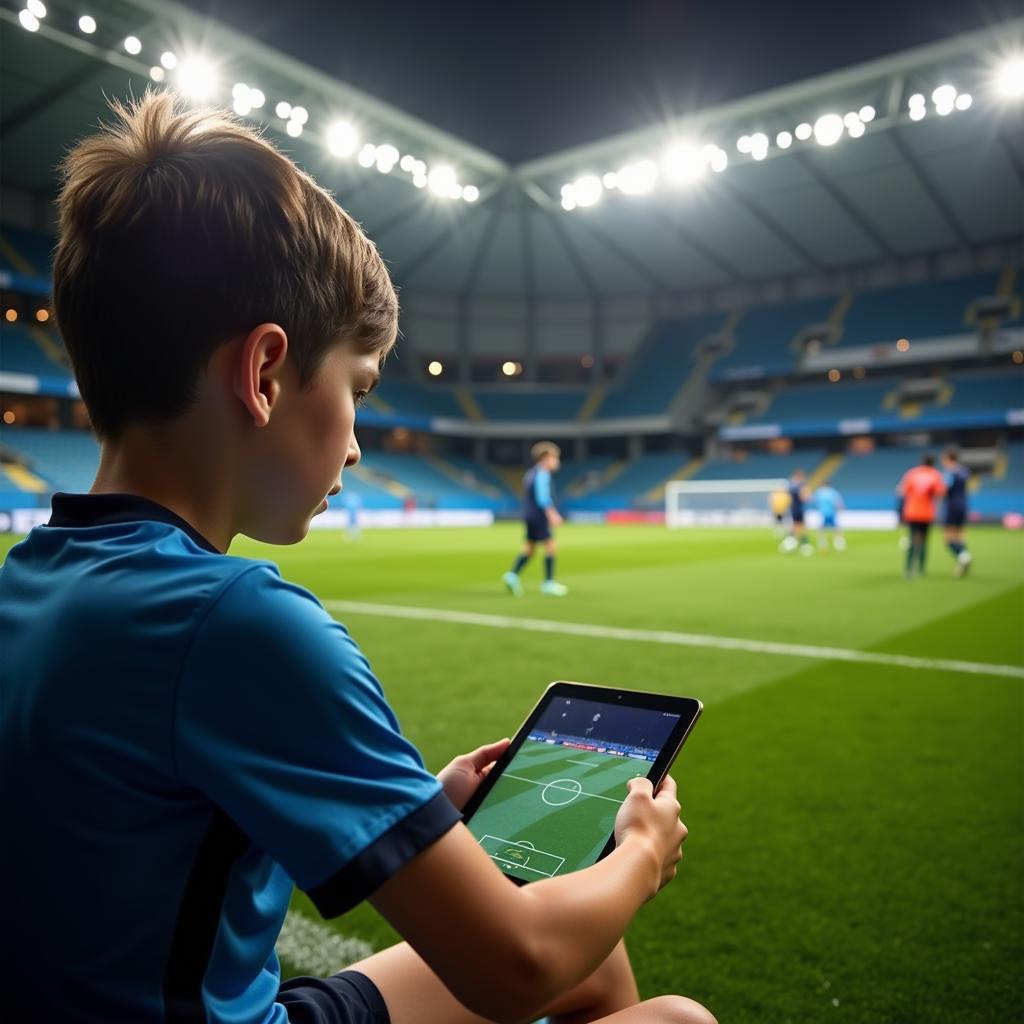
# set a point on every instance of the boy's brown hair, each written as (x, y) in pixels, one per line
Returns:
(180, 229)
(542, 448)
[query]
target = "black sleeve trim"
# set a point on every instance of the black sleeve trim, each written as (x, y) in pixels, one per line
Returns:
(371, 868)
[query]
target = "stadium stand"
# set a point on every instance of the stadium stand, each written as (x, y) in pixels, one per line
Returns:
(25, 251)
(630, 487)
(760, 466)
(521, 404)
(66, 458)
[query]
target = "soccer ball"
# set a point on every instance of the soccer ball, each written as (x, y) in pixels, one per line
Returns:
(788, 544)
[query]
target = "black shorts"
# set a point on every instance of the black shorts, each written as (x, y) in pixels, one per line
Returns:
(918, 528)
(538, 529)
(345, 998)
(956, 515)
(797, 517)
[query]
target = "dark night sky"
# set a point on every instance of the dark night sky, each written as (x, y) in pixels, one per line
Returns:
(527, 78)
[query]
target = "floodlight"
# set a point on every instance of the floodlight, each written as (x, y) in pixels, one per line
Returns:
(944, 95)
(242, 106)
(132, 45)
(759, 145)
(586, 190)
(407, 163)
(28, 20)
(441, 180)
(342, 139)
(156, 73)
(964, 101)
(367, 155)
(866, 113)
(300, 115)
(784, 140)
(856, 130)
(283, 110)
(917, 100)
(240, 91)
(719, 161)
(471, 193)
(568, 203)
(37, 8)
(386, 154)
(435, 368)
(256, 98)
(743, 144)
(944, 109)
(635, 178)
(419, 179)
(1010, 80)
(684, 163)
(170, 61)
(917, 113)
(196, 77)
(803, 131)
(566, 189)
(610, 180)
(828, 129)
(293, 128)
(851, 119)
(87, 24)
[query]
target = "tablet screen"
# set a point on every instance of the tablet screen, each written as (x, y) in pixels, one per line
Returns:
(552, 807)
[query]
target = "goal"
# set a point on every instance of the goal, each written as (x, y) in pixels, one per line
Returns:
(720, 502)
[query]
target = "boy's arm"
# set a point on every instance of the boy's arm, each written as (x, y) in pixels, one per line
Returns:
(464, 917)
(542, 495)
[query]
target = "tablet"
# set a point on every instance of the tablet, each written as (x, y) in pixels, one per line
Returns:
(548, 806)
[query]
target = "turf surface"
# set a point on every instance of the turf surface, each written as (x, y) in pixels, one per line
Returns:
(856, 830)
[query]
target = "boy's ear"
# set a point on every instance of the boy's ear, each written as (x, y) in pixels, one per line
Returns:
(257, 379)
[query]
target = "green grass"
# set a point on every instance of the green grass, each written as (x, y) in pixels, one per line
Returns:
(856, 830)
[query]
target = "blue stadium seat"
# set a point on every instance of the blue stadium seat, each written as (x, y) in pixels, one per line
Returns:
(68, 458)
(530, 405)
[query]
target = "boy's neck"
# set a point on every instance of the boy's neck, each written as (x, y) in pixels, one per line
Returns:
(173, 470)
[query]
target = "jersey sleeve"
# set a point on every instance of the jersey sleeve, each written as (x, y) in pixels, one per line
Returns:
(281, 722)
(542, 488)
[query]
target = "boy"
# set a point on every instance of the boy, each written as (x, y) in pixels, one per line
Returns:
(919, 488)
(184, 735)
(828, 502)
(798, 497)
(955, 513)
(541, 518)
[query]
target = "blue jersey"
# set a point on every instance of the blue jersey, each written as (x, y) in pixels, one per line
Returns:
(183, 735)
(828, 501)
(956, 486)
(536, 493)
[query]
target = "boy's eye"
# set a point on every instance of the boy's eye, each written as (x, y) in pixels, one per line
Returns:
(360, 397)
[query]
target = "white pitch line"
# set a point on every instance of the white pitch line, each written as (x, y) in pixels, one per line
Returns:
(564, 789)
(657, 636)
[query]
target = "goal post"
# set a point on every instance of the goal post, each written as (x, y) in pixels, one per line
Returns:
(720, 502)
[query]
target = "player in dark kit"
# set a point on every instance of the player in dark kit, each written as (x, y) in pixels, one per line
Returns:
(798, 496)
(540, 517)
(955, 516)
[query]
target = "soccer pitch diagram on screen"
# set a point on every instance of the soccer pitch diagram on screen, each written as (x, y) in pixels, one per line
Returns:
(553, 808)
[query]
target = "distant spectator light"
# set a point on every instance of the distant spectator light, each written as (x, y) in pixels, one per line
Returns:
(29, 22)
(859, 372)
(42, 315)
(9, 416)
(87, 24)
(828, 129)
(435, 368)
(1018, 356)
(132, 45)
(510, 369)
(586, 362)
(834, 375)
(1010, 80)
(169, 59)
(11, 315)
(903, 345)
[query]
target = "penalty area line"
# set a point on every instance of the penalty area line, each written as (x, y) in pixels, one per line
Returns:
(657, 636)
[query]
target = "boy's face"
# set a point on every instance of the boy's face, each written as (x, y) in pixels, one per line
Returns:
(551, 462)
(308, 441)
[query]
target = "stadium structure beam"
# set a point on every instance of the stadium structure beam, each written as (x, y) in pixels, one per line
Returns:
(714, 258)
(228, 40)
(773, 225)
(530, 280)
(928, 187)
(400, 215)
(482, 249)
(56, 92)
(540, 199)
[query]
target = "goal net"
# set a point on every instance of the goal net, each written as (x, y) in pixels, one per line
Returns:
(720, 502)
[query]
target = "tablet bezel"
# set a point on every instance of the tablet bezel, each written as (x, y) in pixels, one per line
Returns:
(688, 708)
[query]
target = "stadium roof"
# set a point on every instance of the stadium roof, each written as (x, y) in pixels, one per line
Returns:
(893, 185)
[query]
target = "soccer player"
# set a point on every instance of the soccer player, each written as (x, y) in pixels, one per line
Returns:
(829, 503)
(955, 512)
(778, 502)
(919, 488)
(798, 497)
(185, 736)
(541, 519)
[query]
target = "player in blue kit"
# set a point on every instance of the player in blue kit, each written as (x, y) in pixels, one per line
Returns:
(955, 513)
(185, 737)
(798, 498)
(540, 518)
(829, 503)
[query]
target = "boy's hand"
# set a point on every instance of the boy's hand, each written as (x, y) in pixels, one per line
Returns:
(653, 818)
(461, 778)
(555, 517)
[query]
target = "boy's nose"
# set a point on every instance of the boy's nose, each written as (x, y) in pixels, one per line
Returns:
(354, 454)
